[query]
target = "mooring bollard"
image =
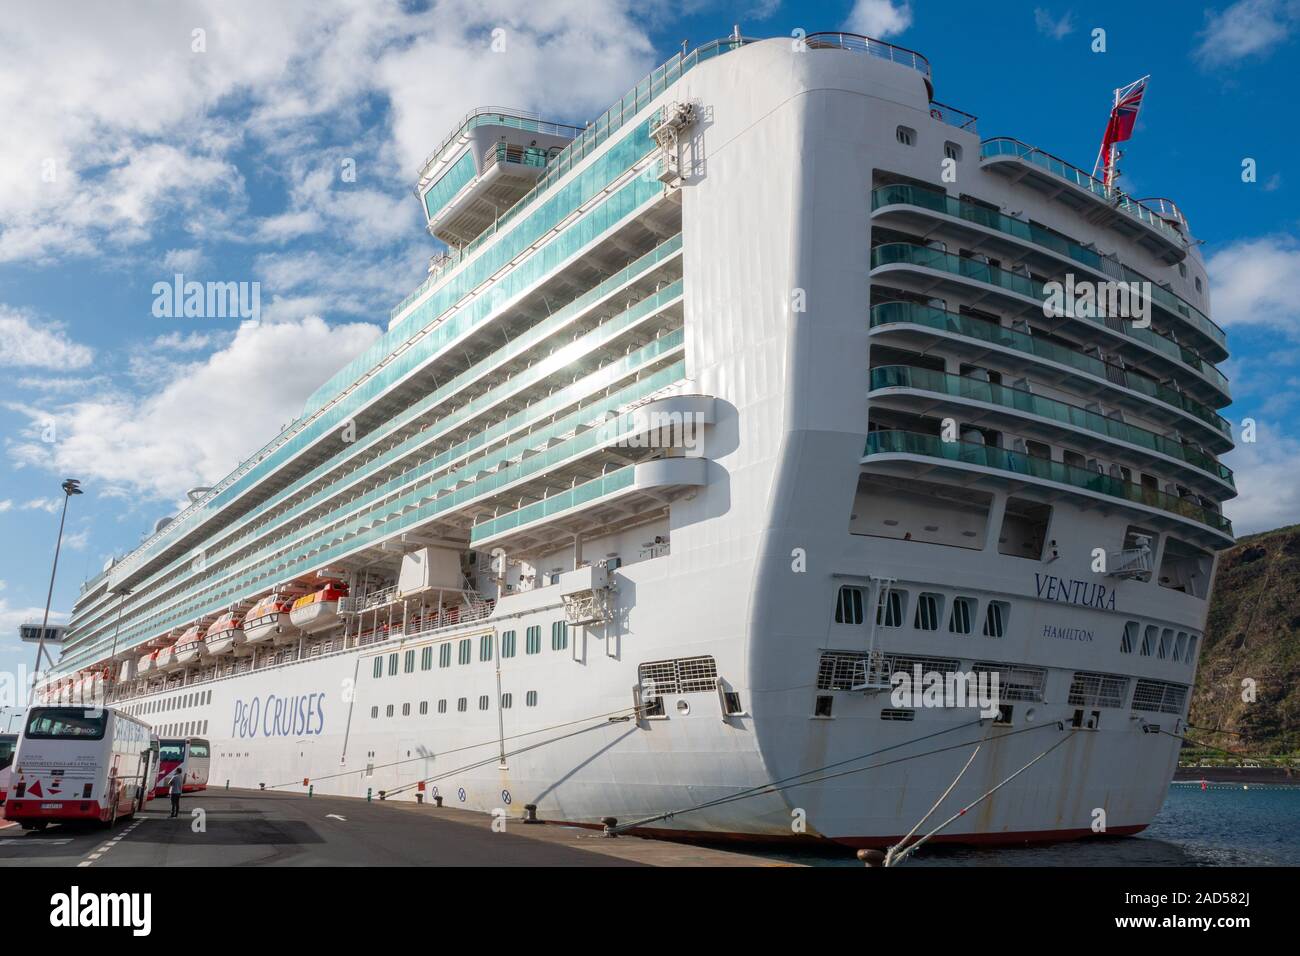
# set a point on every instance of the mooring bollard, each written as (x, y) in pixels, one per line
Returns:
(610, 823)
(261, 786)
(227, 784)
(872, 858)
(383, 794)
(437, 801)
(530, 813)
(419, 798)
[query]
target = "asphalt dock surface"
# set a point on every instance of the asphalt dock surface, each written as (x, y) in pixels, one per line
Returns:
(255, 828)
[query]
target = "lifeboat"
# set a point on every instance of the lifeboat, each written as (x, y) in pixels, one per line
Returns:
(190, 648)
(318, 610)
(147, 664)
(226, 634)
(166, 659)
(268, 621)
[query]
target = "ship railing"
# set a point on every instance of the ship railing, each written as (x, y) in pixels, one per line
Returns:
(872, 672)
(1129, 563)
(952, 116)
(869, 45)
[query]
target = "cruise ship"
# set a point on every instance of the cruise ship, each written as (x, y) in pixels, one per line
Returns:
(720, 418)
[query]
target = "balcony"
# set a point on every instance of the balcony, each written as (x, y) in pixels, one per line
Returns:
(923, 209)
(1037, 416)
(1023, 294)
(910, 449)
(1094, 377)
(614, 500)
(1086, 194)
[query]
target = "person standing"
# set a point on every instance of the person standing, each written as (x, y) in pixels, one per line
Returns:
(174, 790)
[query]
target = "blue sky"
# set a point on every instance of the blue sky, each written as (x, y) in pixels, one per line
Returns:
(136, 148)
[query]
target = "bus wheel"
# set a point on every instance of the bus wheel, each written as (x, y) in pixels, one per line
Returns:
(36, 825)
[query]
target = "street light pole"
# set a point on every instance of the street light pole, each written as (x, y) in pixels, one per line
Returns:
(121, 593)
(71, 486)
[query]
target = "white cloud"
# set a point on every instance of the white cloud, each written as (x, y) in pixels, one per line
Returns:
(183, 260)
(111, 126)
(26, 344)
(1057, 29)
(879, 18)
(1257, 282)
(49, 505)
(5, 506)
(200, 419)
(1246, 28)
(1268, 494)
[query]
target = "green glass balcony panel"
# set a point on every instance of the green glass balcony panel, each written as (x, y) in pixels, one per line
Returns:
(925, 257)
(931, 446)
(960, 386)
(938, 201)
(580, 495)
(913, 313)
(390, 517)
(451, 182)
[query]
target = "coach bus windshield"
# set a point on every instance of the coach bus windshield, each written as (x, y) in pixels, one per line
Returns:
(171, 750)
(66, 722)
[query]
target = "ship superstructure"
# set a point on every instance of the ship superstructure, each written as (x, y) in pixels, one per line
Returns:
(717, 414)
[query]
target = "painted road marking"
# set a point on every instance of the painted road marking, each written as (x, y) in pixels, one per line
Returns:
(335, 816)
(24, 841)
(112, 843)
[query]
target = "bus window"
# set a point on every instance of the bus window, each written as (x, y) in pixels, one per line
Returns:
(198, 748)
(173, 750)
(51, 723)
(7, 744)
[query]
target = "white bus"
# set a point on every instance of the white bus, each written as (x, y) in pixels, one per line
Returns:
(8, 743)
(75, 763)
(187, 756)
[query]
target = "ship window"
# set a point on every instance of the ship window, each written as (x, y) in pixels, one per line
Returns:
(485, 647)
(533, 640)
(483, 702)
(1149, 640)
(559, 635)
(848, 606)
(444, 655)
(426, 659)
(963, 610)
(409, 662)
(1180, 645)
(1191, 649)
(465, 651)
(1199, 286)
(927, 612)
(822, 707)
(530, 698)
(1166, 638)
(889, 609)
(392, 664)
(389, 710)
(995, 618)
(952, 151)
(442, 706)
(406, 710)
(1130, 638)
(424, 707)
(507, 700)
(462, 705)
(905, 135)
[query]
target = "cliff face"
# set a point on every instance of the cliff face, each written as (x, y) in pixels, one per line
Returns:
(1253, 631)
